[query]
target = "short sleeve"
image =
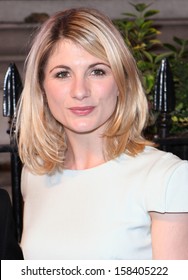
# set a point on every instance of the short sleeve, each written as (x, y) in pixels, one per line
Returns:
(166, 186)
(177, 190)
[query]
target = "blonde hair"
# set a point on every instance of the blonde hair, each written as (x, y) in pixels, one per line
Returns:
(41, 138)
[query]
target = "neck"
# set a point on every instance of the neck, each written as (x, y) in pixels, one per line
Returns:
(84, 151)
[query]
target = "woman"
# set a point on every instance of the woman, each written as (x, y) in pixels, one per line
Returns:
(93, 187)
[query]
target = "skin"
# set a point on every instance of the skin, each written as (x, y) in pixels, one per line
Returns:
(82, 95)
(169, 236)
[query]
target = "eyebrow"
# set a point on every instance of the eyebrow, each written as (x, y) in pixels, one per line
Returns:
(90, 66)
(59, 66)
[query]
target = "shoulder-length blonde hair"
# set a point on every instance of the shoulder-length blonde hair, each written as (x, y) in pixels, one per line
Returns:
(41, 138)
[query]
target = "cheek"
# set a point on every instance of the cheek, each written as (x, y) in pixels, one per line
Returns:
(113, 103)
(54, 95)
(111, 96)
(108, 106)
(55, 104)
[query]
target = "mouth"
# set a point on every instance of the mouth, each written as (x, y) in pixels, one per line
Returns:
(82, 111)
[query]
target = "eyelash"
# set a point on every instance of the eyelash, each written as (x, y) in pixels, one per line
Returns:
(62, 74)
(98, 72)
(95, 72)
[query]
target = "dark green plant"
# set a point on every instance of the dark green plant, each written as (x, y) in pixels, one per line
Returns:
(141, 36)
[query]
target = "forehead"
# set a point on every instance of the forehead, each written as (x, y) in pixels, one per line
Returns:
(66, 45)
(68, 50)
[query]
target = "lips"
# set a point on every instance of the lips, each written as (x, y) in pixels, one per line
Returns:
(82, 111)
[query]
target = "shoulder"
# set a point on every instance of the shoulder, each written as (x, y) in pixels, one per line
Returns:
(166, 182)
(153, 161)
(156, 154)
(160, 160)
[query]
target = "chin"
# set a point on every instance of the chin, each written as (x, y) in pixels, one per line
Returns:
(85, 127)
(84, 130)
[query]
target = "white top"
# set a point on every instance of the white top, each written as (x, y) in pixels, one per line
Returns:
(102, 212)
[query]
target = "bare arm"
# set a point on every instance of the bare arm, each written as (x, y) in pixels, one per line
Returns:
(169, 236)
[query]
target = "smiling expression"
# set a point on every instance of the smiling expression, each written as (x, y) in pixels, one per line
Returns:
(80, 88)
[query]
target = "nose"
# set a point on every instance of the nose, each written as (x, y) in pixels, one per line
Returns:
(80, 88)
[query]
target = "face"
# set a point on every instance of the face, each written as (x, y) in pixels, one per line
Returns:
(80, 89)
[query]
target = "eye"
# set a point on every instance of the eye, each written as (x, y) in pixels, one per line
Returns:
(98, 72)
(62, 74)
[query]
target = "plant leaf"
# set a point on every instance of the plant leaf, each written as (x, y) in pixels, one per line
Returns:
(129, 15)
(140, 7)
(170, 47)
(179, 41)
(151, 13)
(161, 56)
(149, 56)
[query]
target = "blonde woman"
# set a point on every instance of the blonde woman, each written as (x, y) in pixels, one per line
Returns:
(93, 186)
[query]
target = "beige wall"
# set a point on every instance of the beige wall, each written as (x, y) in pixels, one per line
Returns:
(18, 10)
